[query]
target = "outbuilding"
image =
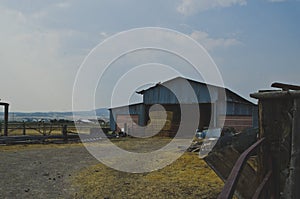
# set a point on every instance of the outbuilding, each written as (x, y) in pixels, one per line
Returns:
(211, 100)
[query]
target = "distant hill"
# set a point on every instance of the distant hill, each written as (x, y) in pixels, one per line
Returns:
(102, 113)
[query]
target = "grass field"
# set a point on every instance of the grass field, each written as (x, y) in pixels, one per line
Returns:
(188, 177)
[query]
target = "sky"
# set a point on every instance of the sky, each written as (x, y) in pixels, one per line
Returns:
(44, 43)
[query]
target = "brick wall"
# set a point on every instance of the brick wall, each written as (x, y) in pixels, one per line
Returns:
(238, 122)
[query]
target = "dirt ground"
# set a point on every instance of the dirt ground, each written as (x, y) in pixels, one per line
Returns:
(69, 171)
(40, 171)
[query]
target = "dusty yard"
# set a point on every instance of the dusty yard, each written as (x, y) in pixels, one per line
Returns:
(69, 171)
(40, 171)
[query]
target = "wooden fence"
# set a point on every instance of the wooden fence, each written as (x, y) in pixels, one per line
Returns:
(40, 128)
(278, 147)
(40, 132)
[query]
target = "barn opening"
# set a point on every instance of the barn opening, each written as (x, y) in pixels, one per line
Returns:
(173, 116)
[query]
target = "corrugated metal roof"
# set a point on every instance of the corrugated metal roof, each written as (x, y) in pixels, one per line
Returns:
(124, 106)
(231, 96)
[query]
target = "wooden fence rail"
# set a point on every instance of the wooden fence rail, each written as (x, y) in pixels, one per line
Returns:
(41, 132)
(42, 128)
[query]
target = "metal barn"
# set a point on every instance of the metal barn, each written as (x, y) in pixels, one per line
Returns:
(240, 113)
(127, 117)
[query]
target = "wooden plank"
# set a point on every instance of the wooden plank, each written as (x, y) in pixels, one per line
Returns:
(285, 87)
(276, 126)
(237, 171)
(222, 161)
(262, 185)
(293, 180)
(276, 95)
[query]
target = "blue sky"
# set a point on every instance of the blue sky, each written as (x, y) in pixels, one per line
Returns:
(43, 43)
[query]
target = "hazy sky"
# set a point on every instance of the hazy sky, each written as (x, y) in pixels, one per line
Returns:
(43, 43)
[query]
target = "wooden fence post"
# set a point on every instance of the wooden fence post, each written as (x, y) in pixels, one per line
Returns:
(293, 181)
(65, 132)
(0, 128)
(6, 119)
(44, 128)
(24, 128)
(278, 123)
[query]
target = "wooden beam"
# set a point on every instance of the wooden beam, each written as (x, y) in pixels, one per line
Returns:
(6, 119)
(276, 94)
(222, 161)
(285, 87)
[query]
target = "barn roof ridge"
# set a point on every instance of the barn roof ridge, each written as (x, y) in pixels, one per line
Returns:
(123, 106)
(198, 82)
(178, 77)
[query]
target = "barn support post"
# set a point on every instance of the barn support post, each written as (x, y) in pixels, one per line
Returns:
(279, 122)
(214, 114)
(125, 128)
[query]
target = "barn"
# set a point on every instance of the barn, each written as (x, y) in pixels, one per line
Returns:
(240, 113)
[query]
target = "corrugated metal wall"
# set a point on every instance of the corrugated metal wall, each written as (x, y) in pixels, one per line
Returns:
(234, 108)
(164, 94)
(135, 109)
